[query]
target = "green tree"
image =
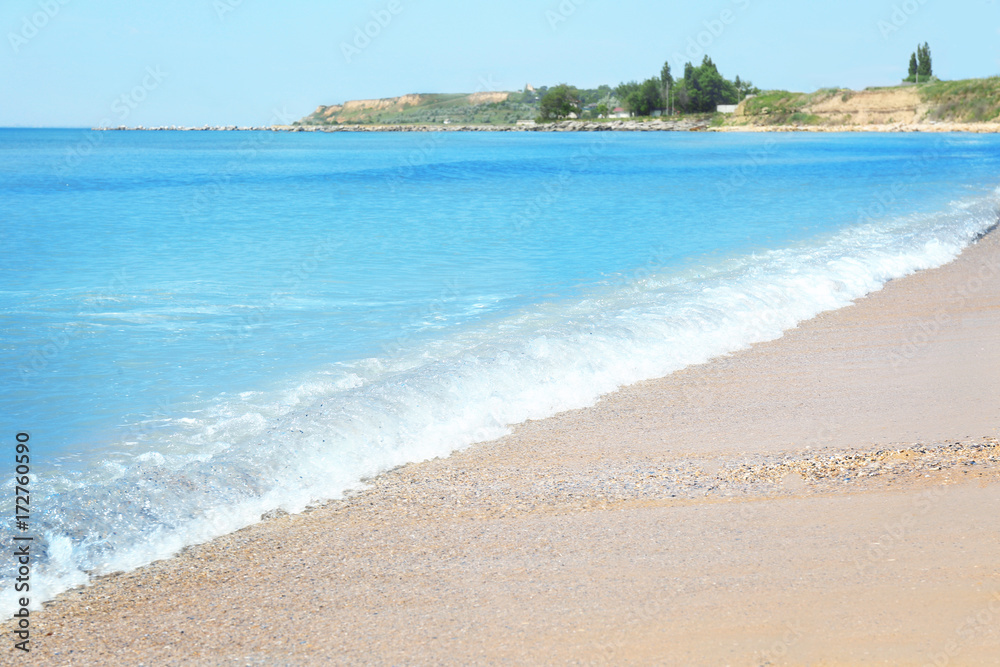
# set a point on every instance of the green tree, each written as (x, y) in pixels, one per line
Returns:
(924, 69)
(666, 83)
(652, 96)
(920, 68)
(559, 102)
(687, 96)
(703, 88)
(688, 71)
(602, 110)
(712, 84)
(623, 89)
(666, 78)
(640, 98)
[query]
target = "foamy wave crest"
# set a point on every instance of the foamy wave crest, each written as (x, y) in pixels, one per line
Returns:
(220, 468)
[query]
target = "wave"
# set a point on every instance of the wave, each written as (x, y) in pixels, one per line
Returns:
(183, 479)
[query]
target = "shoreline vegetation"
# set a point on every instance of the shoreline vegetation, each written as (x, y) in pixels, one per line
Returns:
(969, 105)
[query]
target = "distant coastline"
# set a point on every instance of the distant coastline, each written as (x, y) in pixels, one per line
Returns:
(656, 125)
(971, 105)
(679, 125)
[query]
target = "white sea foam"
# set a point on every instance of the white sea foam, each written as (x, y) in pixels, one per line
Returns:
(216, 471)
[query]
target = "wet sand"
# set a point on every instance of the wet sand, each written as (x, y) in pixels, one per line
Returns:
(831, 497)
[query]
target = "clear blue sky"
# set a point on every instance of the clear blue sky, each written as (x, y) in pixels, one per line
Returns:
(190, 62)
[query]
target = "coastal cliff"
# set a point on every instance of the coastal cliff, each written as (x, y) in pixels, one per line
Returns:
(972, 102)
(360, 111)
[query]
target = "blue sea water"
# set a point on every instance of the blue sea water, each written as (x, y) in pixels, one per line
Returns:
(201, 327)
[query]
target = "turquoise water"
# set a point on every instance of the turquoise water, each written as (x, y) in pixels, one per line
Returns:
(201, 327)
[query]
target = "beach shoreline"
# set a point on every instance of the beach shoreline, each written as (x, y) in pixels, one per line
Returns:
(830, 495)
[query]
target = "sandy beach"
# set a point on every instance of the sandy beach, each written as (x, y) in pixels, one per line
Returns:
(831, 497)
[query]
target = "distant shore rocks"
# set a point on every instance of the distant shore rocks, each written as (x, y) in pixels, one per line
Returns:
(682, 125)
(178, 128)
(658, 125)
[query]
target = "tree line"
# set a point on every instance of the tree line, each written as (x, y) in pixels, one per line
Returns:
(920, 65)
(700, 90)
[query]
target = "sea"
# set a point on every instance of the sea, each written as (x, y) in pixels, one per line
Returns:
(199, 329)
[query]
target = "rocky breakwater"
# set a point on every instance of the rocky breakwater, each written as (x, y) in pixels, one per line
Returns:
(680, 125)
(178, 128)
